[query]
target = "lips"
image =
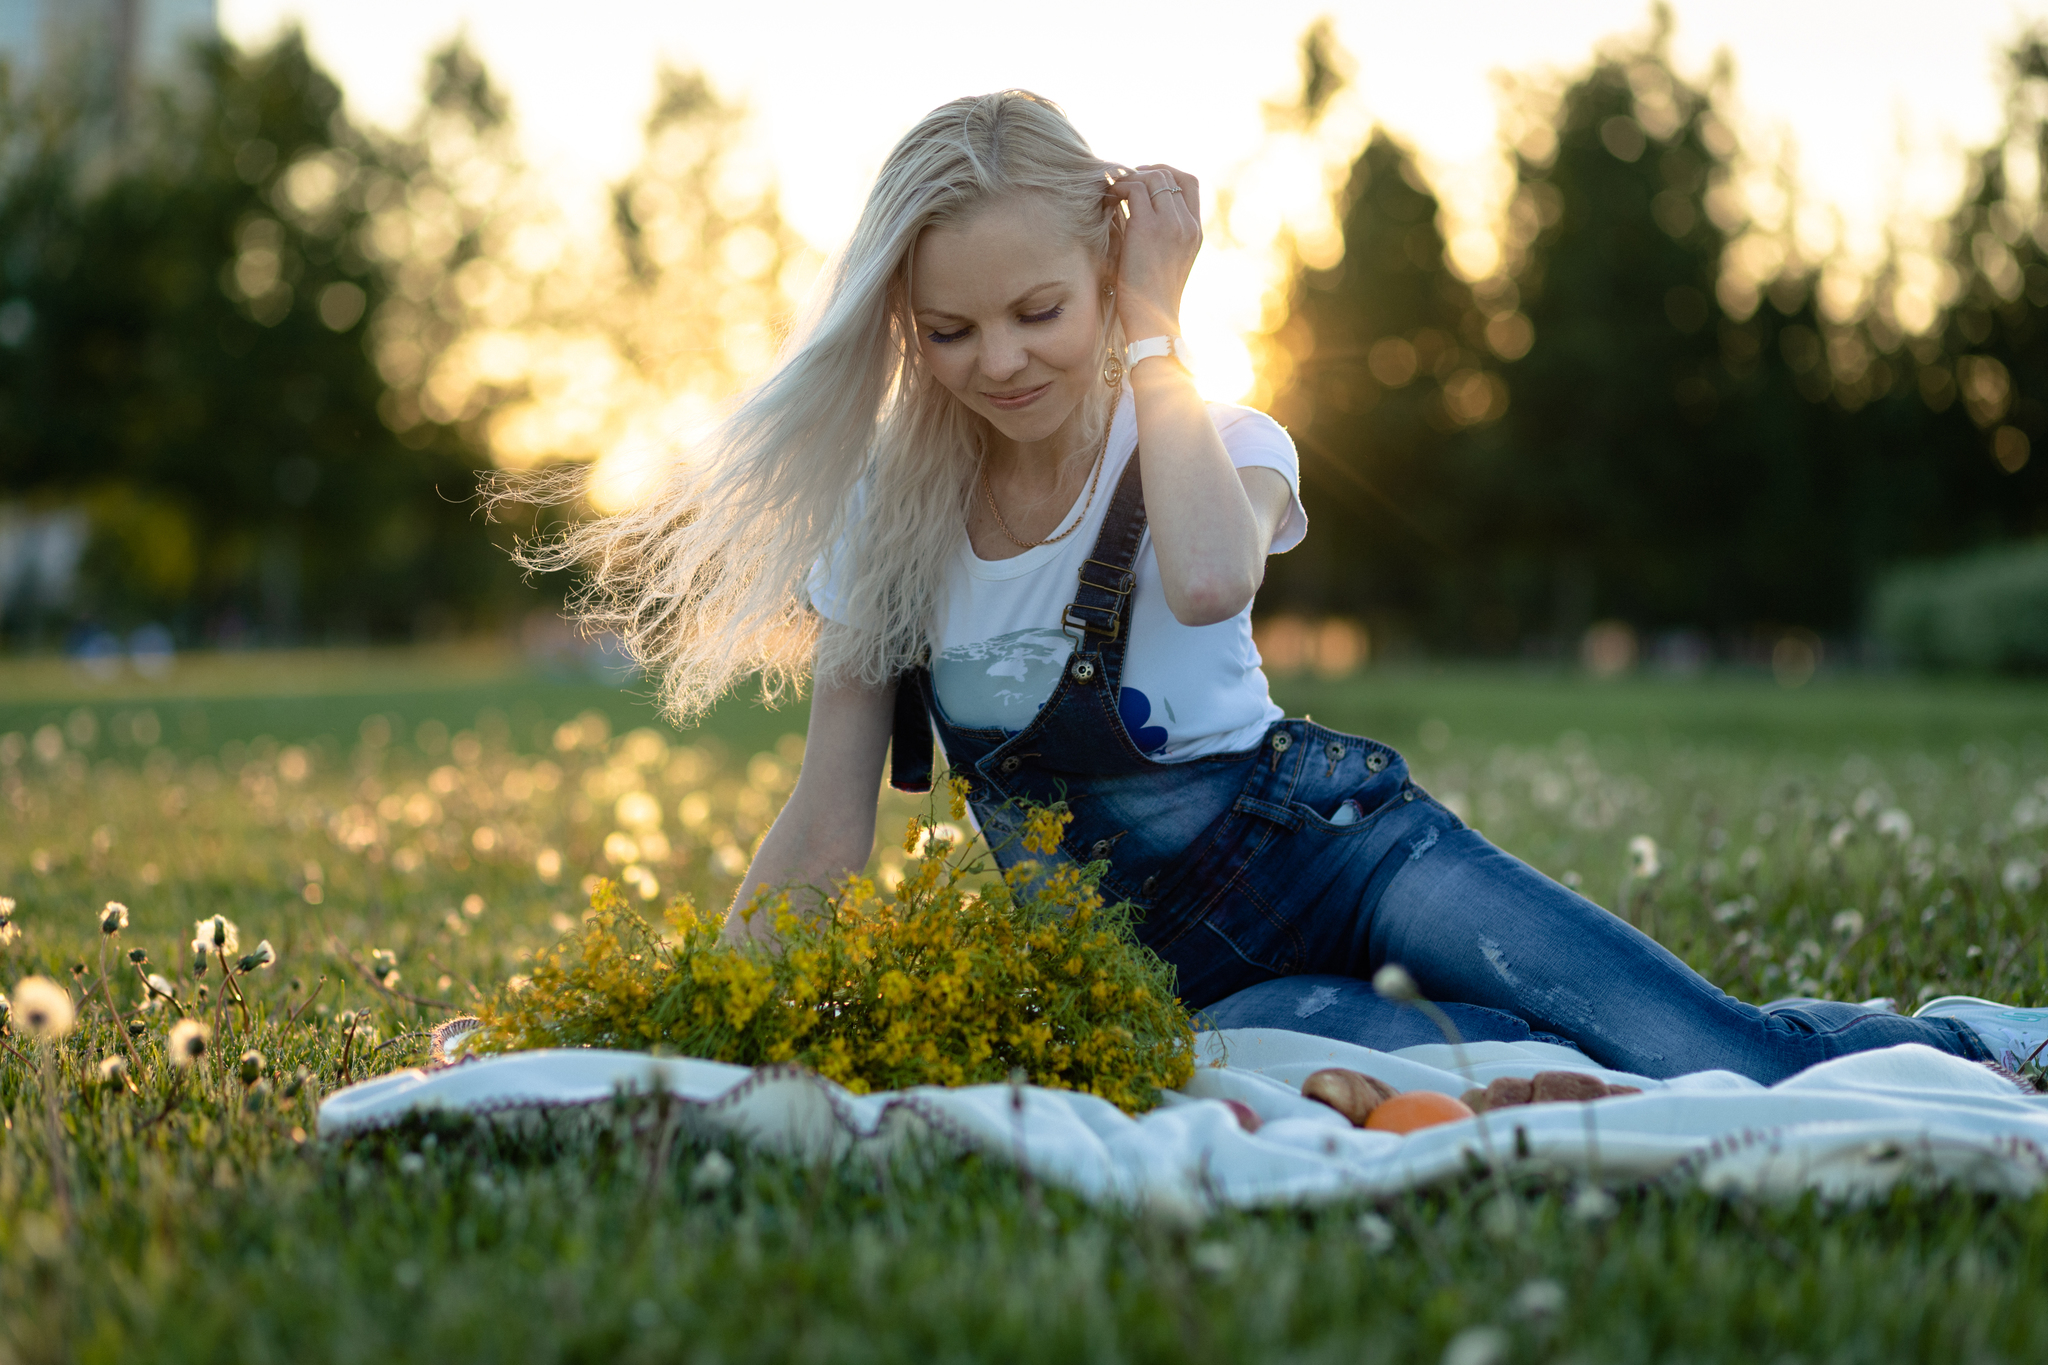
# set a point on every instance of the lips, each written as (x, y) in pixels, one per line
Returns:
(1020, 398)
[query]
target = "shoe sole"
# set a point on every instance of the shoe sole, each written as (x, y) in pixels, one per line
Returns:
(1940, 1000)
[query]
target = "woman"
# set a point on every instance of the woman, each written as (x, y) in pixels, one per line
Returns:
(981, 494)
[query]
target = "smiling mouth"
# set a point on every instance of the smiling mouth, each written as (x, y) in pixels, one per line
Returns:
(1020, 398)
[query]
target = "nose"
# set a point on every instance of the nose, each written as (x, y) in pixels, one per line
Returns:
(1002, 355)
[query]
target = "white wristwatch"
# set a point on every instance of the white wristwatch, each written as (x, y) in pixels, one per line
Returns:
(1174, 348)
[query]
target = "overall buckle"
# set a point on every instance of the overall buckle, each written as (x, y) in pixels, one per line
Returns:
(1068, 624)
(1125, 579)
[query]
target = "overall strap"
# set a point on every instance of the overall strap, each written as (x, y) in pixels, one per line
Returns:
(910, 738)
(1098, 619)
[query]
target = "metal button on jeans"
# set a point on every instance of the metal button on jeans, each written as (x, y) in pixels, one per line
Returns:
(1084, 670)
(1146, 889)
(1333, 750)
(1011, 764)
(1375, 761)
(1282, 742)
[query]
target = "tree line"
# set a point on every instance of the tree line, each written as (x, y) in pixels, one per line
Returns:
(253, 354)
(259, 351)
(1616, 426)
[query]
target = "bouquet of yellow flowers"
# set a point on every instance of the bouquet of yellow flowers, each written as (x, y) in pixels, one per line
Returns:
(955, 978)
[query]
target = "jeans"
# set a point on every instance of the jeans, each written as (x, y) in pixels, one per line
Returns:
(1276, 889)
(1350, 1010)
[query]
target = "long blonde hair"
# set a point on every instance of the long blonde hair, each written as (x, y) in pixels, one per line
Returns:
(705, 581)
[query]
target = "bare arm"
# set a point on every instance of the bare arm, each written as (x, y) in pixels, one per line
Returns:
(1212, 524)
(827, 828)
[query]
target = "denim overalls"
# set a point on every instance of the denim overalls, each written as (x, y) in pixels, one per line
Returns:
(1273, 913)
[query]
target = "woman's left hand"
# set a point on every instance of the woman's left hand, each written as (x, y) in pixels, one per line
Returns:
(1161, 238)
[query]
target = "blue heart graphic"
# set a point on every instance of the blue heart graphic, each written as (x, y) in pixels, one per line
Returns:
(1134, 708)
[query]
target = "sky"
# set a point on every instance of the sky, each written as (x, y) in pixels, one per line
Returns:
(1869, 103)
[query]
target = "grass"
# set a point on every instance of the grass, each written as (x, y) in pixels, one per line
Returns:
(1858, 837)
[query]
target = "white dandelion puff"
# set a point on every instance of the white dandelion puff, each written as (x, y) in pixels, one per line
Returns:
(217, 931)
(189, 1041)
(1644, 861)
(42, 1008)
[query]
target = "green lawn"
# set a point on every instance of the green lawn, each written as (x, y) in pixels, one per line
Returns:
(1859, 836)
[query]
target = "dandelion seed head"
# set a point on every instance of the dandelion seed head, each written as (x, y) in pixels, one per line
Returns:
(189, 1041)
(714, 1172)
(114, 1070)
(42, 1008)
(1848, 923)
(1392, 982)
(1895, 824)
(114, 918)
(251, 1069)
(2020, 876)
(1477, 1346)
(259, 960)
(1644, 861)
(1539, 1299)
(216, 932)
(138, 956)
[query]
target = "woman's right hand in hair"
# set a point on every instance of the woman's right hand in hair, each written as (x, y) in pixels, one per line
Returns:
(827, 829)
(1161, 238)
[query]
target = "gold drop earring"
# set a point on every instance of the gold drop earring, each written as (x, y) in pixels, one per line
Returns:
(1112, 363)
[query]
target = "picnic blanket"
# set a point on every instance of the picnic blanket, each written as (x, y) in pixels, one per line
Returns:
(1849, 1128)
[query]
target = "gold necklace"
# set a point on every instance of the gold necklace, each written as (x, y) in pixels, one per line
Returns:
(989, 496)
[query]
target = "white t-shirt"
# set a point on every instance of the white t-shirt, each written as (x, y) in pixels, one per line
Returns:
(998, 649)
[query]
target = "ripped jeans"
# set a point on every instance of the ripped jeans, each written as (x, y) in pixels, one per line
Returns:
(1276, 888)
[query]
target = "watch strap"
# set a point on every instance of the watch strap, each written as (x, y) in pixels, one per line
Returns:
(1174, 348)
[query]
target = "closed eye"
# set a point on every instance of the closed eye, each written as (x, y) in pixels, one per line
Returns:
(1048, 315)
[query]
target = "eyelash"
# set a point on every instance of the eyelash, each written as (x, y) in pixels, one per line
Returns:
(1047, 316)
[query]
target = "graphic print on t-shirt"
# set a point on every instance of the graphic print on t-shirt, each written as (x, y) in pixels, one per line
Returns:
(1000, 682)
(1134, 708)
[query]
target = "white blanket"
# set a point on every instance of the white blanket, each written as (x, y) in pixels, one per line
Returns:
(1848, 1128)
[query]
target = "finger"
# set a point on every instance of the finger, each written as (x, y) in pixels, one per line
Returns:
(1191, 194)
(1163, 182)
(1141, 193)
(1190, 191)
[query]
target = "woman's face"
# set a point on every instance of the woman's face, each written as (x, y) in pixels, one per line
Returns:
(1009, 310)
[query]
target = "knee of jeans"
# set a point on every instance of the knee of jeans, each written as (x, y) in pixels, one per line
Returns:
(1285, 1002)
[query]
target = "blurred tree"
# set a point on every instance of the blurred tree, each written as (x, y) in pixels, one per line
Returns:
(1383, 357)
(1677, 443)
(1990, 374)
(1612, 487)
(624, 360)
(267, 351)
(181, 351)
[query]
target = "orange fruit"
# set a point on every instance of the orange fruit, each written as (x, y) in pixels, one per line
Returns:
(1415, 1109)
